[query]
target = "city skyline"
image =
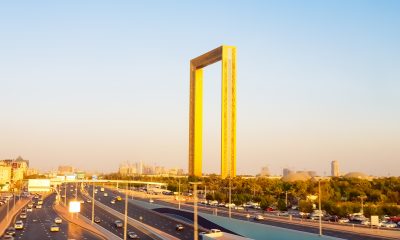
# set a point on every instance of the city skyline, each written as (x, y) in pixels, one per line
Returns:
(316, 82)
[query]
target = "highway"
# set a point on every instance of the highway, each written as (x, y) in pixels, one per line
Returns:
(148, 217)
(3, 208)
(38, 222)
(107, 219)
(270, 221)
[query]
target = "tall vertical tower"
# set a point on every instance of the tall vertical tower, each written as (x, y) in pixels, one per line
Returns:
(335, 168)
(227, 56)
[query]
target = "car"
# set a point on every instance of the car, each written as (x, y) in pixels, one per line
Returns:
(19, 225)
(57, 220)
(259, 218)
(343, 220)
(118, 223)
(54, 228)
(40, 202)
(29, 209)
(7, 237)
(133, 235)
(30, 205)
(97, 219)
(214, 230)
(38, 206)
(151, 200)
(22, 215)
(105, 194)
(179, 227)
(389, 224)
(119, 198)
(89, 200)
(113, 201)
(10, 231)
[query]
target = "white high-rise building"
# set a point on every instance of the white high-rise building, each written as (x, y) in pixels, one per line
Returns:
(335, 168)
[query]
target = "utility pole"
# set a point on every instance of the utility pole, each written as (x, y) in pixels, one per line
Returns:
(93, 187)
(286, 199)
(65, 194)
(195, 221)
(179, 194)
(230, 196)
(319, 206)
(126, 213)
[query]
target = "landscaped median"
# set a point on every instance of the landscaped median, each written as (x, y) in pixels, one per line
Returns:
(84, 223)
(4, 223)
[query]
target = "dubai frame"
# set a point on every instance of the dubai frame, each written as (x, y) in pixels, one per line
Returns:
(227, 55)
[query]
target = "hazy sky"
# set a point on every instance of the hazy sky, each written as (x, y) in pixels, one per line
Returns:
(95, 83)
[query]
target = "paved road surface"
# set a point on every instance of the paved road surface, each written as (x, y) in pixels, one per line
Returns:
(37, 225)
(149, 217)
(107, 219)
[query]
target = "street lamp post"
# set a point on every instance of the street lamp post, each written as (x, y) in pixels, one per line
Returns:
(362, 203)
(93, 188)
(126, 213)
(179, 194)
(195, 221)
(319, 207)
(230, 196)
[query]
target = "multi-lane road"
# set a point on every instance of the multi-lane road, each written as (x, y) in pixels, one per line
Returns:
(149, 217)
(106, 219)
(38, 222)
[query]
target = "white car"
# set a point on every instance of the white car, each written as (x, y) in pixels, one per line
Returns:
(343, 220)
(389, 224)
(19, 225)
(259, 218)
(57, 220)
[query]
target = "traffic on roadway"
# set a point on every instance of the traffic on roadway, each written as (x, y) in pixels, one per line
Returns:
(103, 218)
(116, 201)
(39, 221)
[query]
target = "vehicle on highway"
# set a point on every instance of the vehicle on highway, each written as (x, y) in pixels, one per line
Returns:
(133, 235)
(118, 223)
(179, 227)
(259, 218)
(89, 200)
(54, 228)
(30, 205)
(119, 198)
(214, 230)
(97, 219)
(29, 209)
(151, 201)
(57, 220)
(10, 231)
(38, 206)
(22, 215)
(102, 189)
(388, 224)
(19, 225)
(343, 220)
(113, 201)
(105, 194)
(40, 202)
(7, 237)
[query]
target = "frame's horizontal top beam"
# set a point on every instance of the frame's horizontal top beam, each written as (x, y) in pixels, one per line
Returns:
(206, 59)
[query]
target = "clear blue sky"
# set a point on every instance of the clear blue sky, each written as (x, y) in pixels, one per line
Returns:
(95, 83)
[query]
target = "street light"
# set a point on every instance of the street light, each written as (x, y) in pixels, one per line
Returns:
(319, 207)
(126, 213)
(362, 203)
(195, 222)
(93, 188)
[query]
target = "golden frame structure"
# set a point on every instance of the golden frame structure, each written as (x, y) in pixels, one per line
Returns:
(227, 55)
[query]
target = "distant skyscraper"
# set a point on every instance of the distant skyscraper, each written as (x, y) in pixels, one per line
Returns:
(264, 171)
(286, 171)
(335, 168)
